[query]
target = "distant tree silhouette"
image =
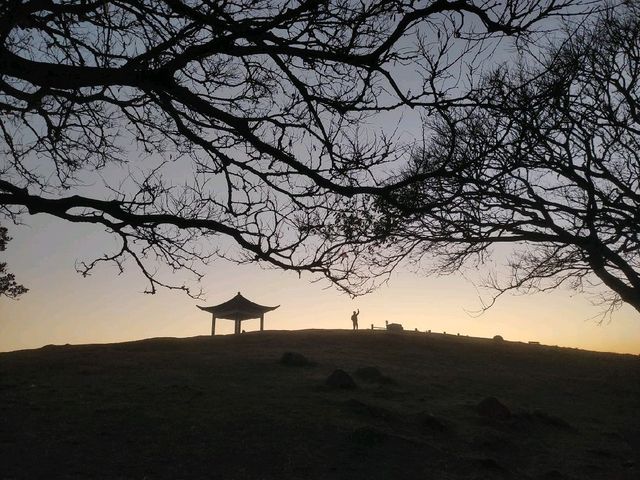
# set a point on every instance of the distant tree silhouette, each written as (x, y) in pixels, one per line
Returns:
(8, 285)
(172, 122)
(547, 161)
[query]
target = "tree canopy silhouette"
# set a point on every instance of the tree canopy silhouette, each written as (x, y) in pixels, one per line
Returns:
(547, 161)
(8, 285)
(171, 122)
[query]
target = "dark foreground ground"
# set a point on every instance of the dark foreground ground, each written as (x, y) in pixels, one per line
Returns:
(225, 408)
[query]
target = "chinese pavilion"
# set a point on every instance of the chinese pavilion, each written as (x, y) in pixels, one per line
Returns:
(237, 309)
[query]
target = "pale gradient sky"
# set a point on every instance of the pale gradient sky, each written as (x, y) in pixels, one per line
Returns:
(62, 307)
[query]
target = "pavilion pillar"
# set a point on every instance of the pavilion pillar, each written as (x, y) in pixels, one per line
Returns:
(262, 322)
(237, 330)
(213, 324)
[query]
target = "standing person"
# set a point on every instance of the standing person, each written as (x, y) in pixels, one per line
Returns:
(354, 319)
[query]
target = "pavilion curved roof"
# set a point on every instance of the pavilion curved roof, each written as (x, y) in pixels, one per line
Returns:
(238, 308)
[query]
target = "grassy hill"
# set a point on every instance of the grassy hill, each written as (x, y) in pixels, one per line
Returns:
(225, 407)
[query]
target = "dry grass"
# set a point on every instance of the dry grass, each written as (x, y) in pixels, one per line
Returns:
(224, 407)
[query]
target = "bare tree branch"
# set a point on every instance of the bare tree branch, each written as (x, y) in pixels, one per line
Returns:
(247, 120)
(547, 162)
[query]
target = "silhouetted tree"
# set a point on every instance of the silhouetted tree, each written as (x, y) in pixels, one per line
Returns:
(546, 162)
(170, 122)
(8, 285)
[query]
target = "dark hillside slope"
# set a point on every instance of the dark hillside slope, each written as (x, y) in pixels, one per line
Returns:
(225, 407)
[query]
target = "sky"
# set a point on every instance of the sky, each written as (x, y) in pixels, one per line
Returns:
(63, 307)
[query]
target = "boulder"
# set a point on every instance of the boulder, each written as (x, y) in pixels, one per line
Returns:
(554, 475)
(491, 407)
(551, 420)
(293, 359)
(368, 410)
(368, 437)
(340, 379)
(372, 375)
(431, 423)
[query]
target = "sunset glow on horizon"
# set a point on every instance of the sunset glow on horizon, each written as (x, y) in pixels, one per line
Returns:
(62, 307)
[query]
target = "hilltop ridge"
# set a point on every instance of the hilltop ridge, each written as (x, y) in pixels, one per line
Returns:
(226, 407)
